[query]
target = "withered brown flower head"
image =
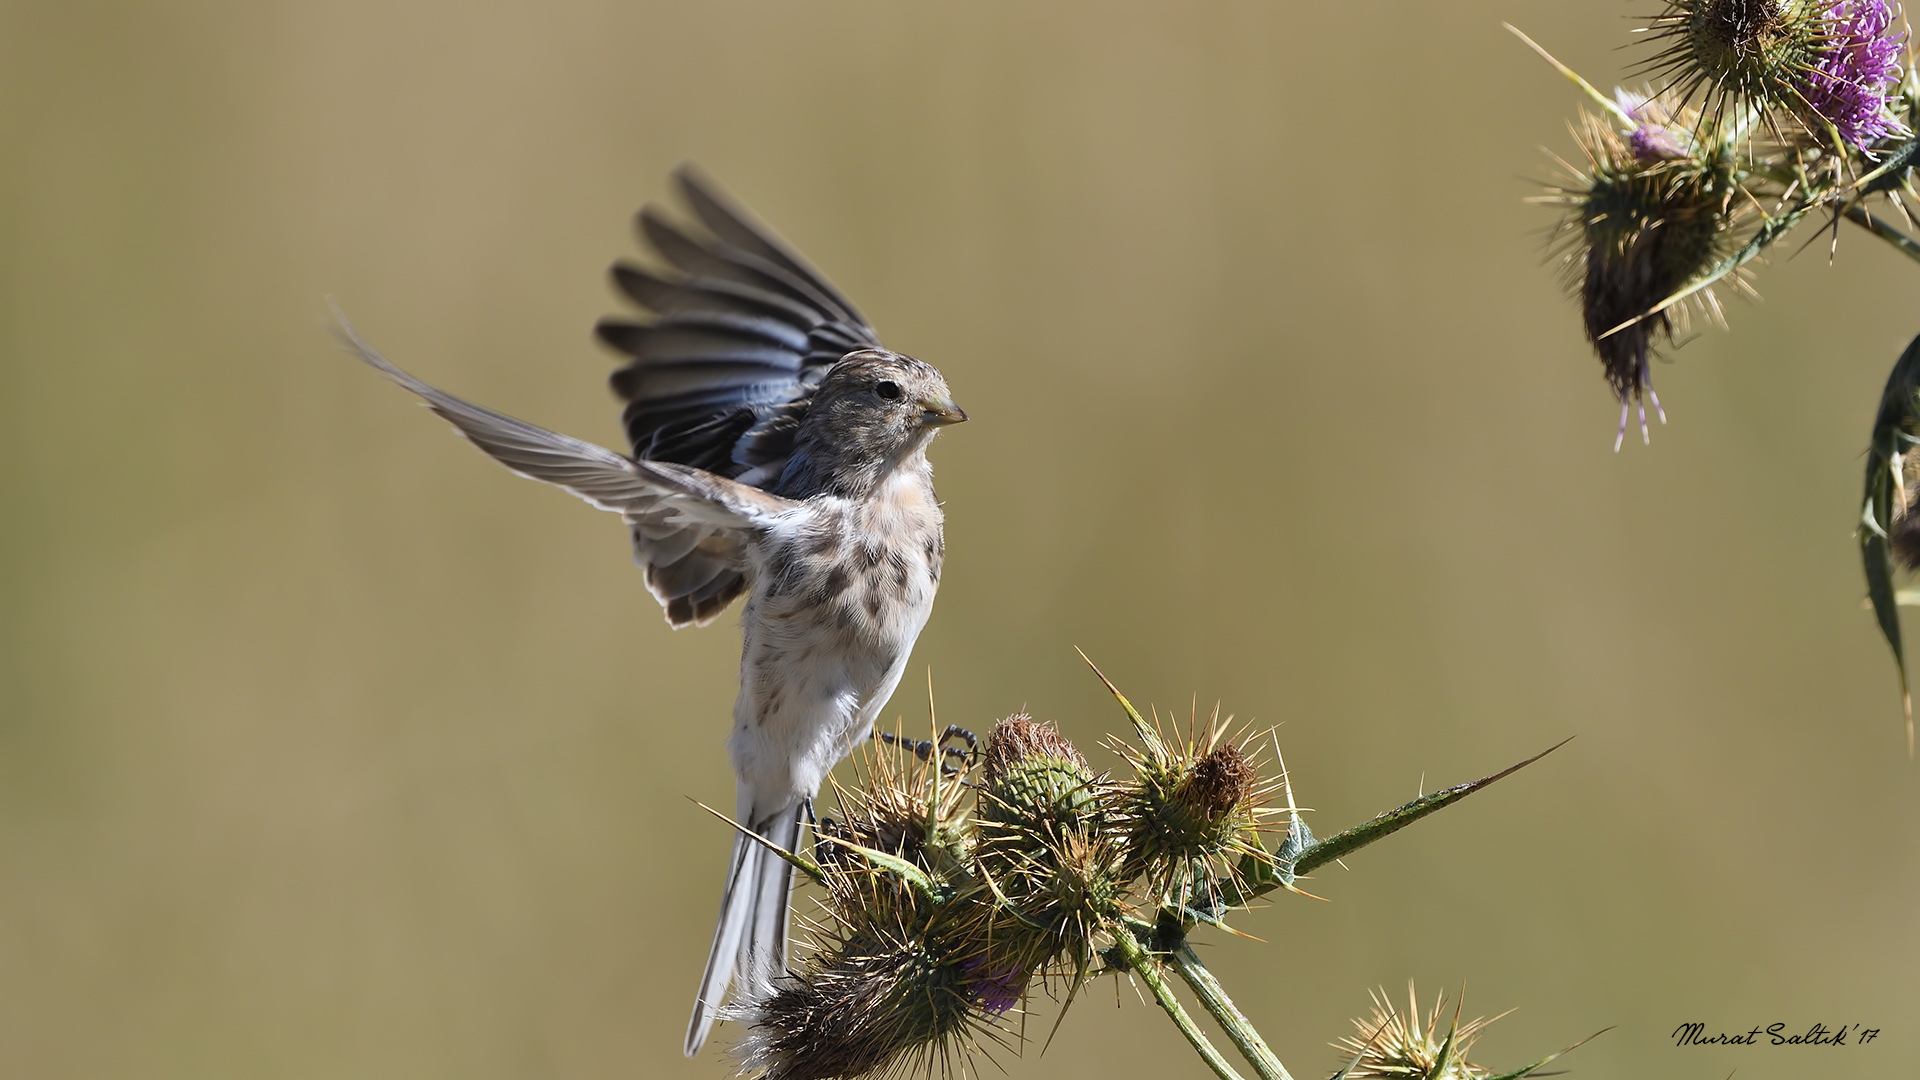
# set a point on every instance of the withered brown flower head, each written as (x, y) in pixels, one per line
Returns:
(1220, 780)
(1020, 737)
(880, 1003)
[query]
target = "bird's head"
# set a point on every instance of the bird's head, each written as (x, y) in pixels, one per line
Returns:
(873, 411)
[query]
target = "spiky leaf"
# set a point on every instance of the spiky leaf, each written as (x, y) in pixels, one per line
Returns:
(1333, 847)
(1898, 415)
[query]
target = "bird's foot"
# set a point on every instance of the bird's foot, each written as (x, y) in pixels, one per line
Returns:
(924, 748)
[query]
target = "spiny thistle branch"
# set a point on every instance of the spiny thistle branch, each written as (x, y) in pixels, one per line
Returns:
(1764, 114)
(1213, 997)
(1129, 954)
(949, 900)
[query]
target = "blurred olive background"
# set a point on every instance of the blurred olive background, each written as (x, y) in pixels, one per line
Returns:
(328, 748)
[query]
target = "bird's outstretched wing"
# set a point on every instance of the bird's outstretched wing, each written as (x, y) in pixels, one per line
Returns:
(743, 332)
(690, 527)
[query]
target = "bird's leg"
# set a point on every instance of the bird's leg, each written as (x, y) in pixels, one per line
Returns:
(822, 827)
(970, 754)
(924, 748)
(921, 748)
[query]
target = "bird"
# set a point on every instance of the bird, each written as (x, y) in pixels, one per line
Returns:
(780, 453)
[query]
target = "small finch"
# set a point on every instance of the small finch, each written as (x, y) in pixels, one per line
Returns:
(778, 451)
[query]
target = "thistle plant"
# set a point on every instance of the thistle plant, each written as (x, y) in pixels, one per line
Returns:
(1760, 115)
(1395, 1045)
(952, 896)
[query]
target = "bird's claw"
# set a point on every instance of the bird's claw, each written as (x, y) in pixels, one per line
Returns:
(924, 748)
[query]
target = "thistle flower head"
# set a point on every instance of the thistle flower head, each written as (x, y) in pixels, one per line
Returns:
(895, 976)
(996, 987)
(1853, 69)
(1656, 135)
(1033, 777)
(1736, 54)
(1044, 848)
(906, 811)
(874, 1003)
(1639, 225)
(1397, 1046)
(1818, 62)
(1192, 810)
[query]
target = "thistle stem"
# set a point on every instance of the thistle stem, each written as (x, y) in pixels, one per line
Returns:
(1213, 998)
(1901, 242)
(1135, 957)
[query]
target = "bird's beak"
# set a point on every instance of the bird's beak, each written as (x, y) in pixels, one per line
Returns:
(940, 411)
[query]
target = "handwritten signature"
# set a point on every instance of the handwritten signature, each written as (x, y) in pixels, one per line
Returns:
(1776, 1035)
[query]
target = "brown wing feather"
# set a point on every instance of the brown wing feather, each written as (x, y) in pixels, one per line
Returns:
(690, 527)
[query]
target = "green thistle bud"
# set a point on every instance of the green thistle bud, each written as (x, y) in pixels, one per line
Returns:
(1043, 849)
(1191, 814)
(1034, 777)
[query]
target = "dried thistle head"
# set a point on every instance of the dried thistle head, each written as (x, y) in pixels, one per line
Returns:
(878, 1002)
(1219, 783)
(1639, 224)
(903, 810)
(1397, 1046)
(1193, 809)
(899, 807)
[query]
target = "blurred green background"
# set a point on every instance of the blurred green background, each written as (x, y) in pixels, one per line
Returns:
(329, 748)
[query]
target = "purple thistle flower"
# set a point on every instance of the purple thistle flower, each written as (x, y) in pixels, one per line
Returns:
(1653, 138)
(1859, 59)
(1653, 142)
(996, 990)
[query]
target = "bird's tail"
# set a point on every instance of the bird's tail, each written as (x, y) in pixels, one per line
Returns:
(752, 933)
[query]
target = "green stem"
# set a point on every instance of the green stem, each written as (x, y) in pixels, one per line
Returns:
(1213, 997)
(1901, 242)
(1134, 956)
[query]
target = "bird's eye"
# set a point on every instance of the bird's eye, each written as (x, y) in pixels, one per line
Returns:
(887, 389)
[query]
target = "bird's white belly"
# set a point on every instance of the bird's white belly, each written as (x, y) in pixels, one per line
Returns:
(826, 636)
